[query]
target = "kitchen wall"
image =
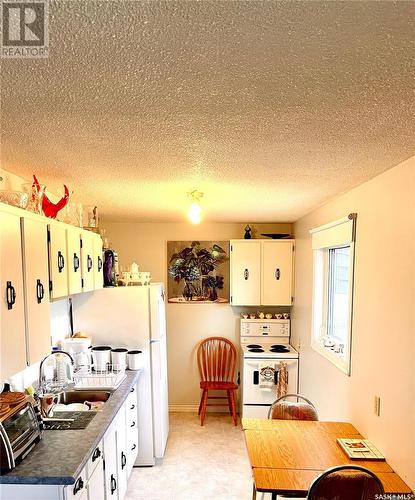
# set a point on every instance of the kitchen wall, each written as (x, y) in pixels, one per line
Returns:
(383, 351)
(59, 329)
(187, 324)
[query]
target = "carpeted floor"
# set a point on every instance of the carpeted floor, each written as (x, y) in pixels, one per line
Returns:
(208, 463)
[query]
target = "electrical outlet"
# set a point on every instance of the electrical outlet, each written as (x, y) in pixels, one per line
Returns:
(377, 406)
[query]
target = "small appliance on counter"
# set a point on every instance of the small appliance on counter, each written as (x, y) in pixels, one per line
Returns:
(80, 349)
(20, 429)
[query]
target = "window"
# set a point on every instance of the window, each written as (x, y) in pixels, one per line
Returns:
(333, 268)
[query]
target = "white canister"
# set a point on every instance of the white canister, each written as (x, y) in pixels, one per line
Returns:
(119, 358)
(101, 356)
(134, 360)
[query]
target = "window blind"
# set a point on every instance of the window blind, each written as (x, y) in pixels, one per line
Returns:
(335, 234)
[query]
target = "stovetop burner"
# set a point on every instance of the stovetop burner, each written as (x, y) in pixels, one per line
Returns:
(256, 349)
(279, 348)
(254, 346)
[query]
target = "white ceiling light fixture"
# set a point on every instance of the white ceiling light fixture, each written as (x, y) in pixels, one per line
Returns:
(195, 210)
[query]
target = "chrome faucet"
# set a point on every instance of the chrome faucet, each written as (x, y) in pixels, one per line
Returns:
(59, 387)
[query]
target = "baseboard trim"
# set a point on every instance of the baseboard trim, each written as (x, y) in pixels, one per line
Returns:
(195, 408)
(184, 408)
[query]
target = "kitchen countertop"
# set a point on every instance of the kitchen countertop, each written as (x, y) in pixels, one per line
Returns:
(61, 455)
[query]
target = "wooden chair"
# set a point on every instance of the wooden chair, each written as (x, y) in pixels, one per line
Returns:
(216, 359)
(346, 482)
(281, 409)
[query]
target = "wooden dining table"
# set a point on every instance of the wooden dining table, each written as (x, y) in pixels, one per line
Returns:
(287, 455)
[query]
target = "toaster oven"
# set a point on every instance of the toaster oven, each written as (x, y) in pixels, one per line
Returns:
(20, 431)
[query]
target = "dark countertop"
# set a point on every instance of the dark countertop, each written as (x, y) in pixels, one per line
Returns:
(61, 455)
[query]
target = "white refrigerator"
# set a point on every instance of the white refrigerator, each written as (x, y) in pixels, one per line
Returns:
(134, 317)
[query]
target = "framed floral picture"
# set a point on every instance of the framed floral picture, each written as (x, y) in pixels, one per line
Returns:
(198, 271)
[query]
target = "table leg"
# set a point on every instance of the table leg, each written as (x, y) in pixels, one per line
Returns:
(253, 491)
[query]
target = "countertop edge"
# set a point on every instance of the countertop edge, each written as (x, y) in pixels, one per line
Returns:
(119, 395)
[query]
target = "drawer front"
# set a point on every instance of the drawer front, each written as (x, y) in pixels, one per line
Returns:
(78, 490)
(95, 459)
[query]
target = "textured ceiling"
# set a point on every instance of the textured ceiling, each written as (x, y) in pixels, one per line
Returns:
(269, 107)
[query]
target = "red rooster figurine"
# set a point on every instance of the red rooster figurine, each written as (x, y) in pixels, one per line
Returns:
(51, 209)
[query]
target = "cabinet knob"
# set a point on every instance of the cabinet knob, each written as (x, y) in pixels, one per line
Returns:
(10, 295)
(96, 454)
(113, 484)
(61, 261)
(75, 262)
(40, 291)
(246, 274)
(277, 273)
(78, 485)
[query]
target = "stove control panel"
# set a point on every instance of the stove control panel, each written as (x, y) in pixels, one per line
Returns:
(265, 328)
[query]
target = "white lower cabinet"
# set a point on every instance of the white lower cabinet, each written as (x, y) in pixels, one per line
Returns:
(122, 478)
(132, 429)
(110, 458)
(96, 483)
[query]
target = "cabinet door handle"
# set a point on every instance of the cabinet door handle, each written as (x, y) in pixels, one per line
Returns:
(134, 447)
(10, 295)
(132, 407)
(61, 261)
(99, 263)
(96, 454)
(132, 389)
(123, 460)
(78, 485)
(75, 262)
(40, 291)
(277, 273)
(89, 263)
(246, 274)
(255, 377)
(113, 484)
(133, 424)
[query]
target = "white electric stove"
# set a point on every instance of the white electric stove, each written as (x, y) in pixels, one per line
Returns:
(265, 342)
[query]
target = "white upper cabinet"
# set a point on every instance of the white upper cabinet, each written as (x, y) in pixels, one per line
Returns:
(98, 262)
(245, 272)
(277, 272)
(73, 245)
(36, 288)
(87, 261)
(261, 272)
(58, 261)
(12, 314)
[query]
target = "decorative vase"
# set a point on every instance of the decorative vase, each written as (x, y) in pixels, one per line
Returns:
(187, 291)
(213, 294)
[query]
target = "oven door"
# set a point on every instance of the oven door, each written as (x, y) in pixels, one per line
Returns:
(253, 394)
